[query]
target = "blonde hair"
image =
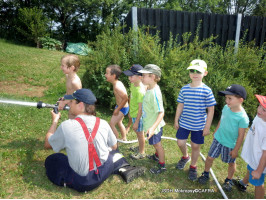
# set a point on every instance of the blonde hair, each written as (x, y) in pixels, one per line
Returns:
(156, 78)
(71, 60)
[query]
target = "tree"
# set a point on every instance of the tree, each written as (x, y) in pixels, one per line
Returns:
(36, 23)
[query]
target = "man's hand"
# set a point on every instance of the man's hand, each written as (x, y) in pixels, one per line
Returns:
(55, 117)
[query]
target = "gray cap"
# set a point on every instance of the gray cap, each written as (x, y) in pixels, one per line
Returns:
(151, 69)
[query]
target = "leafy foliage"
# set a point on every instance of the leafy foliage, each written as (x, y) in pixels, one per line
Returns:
(35, 22)
(246, 67)
(50, 43)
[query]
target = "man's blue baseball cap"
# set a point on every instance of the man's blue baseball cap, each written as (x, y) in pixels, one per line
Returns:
(133, 70)
(83, 95)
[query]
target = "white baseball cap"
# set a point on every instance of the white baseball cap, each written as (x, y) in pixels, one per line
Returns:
(199, 65)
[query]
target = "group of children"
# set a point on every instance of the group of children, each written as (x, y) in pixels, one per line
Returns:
(146, 109)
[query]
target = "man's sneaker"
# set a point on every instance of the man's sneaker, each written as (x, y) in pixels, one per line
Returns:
(182, 162)
(134, 149)
(158, 170)
(239, 186)
(132, 172)
(138, 156)
(192, 174)
(203, 179)
(153, 157)
(227, 186)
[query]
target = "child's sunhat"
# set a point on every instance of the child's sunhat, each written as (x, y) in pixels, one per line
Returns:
(262, 100)
(234, 89)
(199, 65)
(151, 69)
(133, 70)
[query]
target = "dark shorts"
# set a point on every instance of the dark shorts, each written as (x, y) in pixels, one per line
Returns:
(196, 136)
(60, 173)
(217, 148)
(156, 138)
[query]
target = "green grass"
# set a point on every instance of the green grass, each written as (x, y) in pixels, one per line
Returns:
(22, 132)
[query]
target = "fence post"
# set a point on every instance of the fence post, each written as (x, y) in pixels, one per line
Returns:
(135, 29)
(238, 27)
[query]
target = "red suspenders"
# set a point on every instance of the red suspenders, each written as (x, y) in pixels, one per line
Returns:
(90, 137)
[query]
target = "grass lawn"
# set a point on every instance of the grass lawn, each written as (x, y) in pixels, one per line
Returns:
(30, 74)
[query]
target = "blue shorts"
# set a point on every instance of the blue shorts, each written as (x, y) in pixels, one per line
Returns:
(196, 136)
(156, 137)
(140, 127)
(255, 182)
(217, 148)
(123, 110)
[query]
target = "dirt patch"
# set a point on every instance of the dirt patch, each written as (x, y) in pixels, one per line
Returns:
(21, 89)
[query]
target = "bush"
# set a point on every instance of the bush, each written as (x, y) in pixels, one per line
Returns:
(246, 68)
(50, 43)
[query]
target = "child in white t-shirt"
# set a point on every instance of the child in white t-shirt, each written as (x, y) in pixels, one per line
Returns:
(254, 152)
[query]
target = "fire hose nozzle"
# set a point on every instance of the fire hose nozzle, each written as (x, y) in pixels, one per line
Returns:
(40, 104)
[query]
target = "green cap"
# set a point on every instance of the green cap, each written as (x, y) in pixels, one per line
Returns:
(151, 69)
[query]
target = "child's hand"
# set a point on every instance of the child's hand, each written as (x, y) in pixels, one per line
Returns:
(233, 154)
(176, 125)
(206, 131)
(135, 126)
(150, 133)
(255, 175)
(116, 111)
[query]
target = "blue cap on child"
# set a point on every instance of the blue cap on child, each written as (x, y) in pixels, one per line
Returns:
(133, 70)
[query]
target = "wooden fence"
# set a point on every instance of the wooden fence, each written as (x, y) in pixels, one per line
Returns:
(226, 27)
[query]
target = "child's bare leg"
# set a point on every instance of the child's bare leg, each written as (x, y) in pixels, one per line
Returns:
(246, 178)
(195, 153)
(141, 140)
(122, 127)
(160, 151)
(129, 124)
(259, 192)
(114, 120)
(231, 170)
(208, 163)
(183, 147)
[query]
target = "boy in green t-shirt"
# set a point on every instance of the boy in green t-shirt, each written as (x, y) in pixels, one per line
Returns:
(153, 113)
(137, 90)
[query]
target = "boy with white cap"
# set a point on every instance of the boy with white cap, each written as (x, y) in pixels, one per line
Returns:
(229, 134)
(191, 117)
(254, 152)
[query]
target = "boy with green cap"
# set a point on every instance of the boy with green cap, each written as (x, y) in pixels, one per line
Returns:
(153, 113)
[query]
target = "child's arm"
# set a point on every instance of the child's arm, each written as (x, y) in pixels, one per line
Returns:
(241, 135)
(124, 99)
(179, 110)
(150, 131)
(218, 125)
(256, 174)
(206, 130)
(136, 124)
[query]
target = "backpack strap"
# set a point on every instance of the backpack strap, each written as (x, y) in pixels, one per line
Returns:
(90, 137)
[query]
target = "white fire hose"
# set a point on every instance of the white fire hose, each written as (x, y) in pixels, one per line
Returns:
(202, 156)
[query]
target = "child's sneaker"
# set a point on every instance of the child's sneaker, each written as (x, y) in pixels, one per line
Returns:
(158, 170)
(138, 156)
(134, 149)
(203, 179)
(192, 174)
(153, 157)
(182, 162)
(131, 173)
(227, 186)
(241, 187)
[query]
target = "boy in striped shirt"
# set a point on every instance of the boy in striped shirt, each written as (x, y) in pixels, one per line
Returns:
(191, 117)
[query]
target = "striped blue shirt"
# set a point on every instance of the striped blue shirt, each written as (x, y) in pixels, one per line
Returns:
(195, 100)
